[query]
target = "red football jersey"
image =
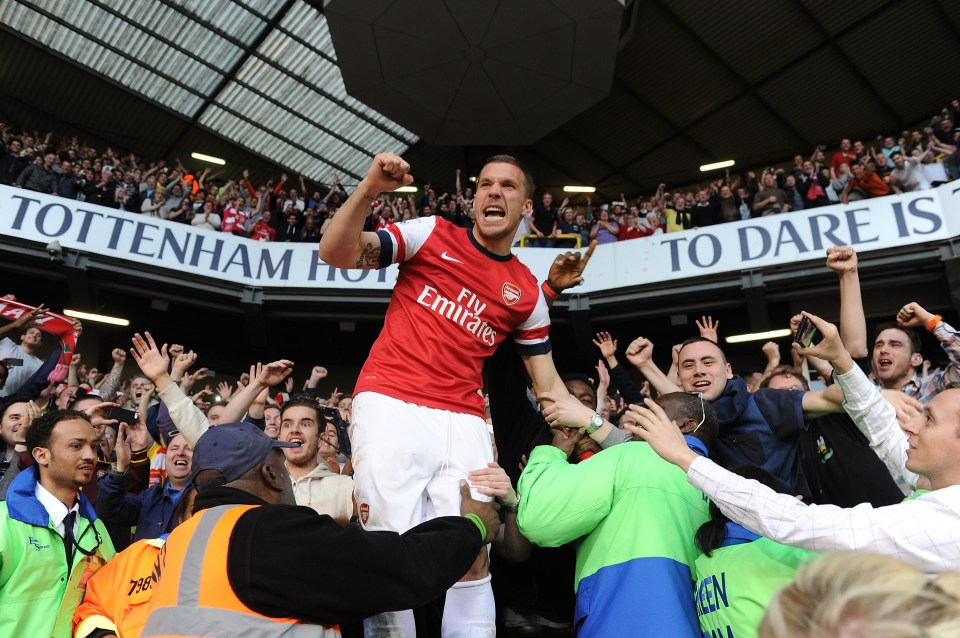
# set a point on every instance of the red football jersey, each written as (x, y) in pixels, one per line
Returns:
(233, 220)
(454, 302)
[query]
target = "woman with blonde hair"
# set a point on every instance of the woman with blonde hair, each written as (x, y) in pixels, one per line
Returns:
(854, 595)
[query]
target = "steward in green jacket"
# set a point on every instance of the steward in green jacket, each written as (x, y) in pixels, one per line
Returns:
(51, 542)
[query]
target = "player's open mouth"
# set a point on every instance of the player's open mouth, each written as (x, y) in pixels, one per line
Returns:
(296, 439)
(180, 463)
(494, 212)
(700, 385)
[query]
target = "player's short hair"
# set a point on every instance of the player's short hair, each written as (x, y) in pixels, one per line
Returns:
(510, 159)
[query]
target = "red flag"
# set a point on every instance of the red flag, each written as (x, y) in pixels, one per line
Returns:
(57, 325)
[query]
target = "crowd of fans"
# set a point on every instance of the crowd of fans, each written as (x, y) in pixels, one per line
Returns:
(142, 466)
(698, 550)
(912, 160)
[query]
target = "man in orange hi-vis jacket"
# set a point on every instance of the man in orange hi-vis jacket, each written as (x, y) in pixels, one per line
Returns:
(115, 602)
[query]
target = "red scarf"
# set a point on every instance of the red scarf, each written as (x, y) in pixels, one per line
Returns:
(59, 326)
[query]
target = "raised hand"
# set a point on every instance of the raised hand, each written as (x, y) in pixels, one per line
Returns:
(606, 343)
(274, 373)
(183, 362)
(225, 390)
(772, 350)
(122, 448)
(190, 379)
(566, 271)
(139, 437)
(335, 397)
(153, 361)
(913, 315)
(387, 173)
(795, 323)
(603, 378)
(842, 259)
(97, 414)
(708, 328)
(27, 318)
(830, 348)
(639, 352)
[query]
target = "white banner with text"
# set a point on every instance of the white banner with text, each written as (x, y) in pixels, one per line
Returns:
(875, 224)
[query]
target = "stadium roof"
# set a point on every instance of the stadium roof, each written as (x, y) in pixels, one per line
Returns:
(257, 83)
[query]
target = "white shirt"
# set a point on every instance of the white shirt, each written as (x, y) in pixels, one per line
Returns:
(910, 177)
(57, 510)
(922, 532)
(17, 375)
(877, 420)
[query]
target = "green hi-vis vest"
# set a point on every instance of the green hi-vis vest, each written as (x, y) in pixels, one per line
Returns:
(736, 583)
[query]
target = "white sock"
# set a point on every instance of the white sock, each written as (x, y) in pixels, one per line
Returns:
(469, 611)
(390, 624)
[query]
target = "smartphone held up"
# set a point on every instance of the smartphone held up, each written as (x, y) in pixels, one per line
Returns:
(806, 333)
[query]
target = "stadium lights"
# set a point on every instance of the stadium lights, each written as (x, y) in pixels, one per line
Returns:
(757, 336)
(208, 158)
(716, 165)
(473, 178)
(579, 189)
(406, 189)
(89, 316)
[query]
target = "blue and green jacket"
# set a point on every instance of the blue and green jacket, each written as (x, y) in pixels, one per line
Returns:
(39, 592)
(637, 516)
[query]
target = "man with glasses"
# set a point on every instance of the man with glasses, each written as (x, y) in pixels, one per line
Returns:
(51, 541)
(637, 517)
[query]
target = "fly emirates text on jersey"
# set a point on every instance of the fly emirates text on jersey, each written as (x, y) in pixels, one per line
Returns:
(467, 315)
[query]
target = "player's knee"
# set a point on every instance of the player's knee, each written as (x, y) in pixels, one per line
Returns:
(480, 567)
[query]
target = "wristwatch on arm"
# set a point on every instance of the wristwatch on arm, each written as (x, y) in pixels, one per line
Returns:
(596, 422)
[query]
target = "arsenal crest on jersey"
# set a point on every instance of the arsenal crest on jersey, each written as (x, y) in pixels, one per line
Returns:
(511, 293)
(364, 513)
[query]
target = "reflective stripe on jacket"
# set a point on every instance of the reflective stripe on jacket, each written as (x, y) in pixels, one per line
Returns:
(194, 596)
